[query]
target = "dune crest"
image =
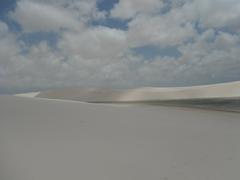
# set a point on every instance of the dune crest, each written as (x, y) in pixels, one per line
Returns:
(31, 94)
(224, 90)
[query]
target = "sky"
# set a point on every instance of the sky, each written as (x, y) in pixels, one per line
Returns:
(117, 43)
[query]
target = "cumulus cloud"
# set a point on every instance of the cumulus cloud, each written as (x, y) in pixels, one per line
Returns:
(210, 58)
(3, 28)
(219, 13)
(34, 16)
(54, 15)
(99, 42)
(8, 45)
(206, 33)
(168, 30)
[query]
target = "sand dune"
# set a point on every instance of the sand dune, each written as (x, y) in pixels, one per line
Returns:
(44, 139)
(31, 94)
(225, 90)
(58, 139)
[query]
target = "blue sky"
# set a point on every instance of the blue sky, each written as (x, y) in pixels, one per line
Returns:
(6, 5)
(117, 43)
(106, 5)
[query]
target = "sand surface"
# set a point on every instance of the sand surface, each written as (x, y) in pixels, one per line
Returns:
(55, 140)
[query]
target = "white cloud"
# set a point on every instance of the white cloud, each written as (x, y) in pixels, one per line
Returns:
(87, 55)
(219, 13)
(34, 16)
(8, 45)
(99, 42)
(170, 29)
(3, 28)
(202, 61)
(53, 15)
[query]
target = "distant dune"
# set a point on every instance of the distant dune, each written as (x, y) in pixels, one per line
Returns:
(224, 90)
(31, 94)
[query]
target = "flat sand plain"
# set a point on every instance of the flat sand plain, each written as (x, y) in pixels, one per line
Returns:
(43, 139)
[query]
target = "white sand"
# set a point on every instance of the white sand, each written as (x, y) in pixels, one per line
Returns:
(55, 140)
(225, 90)
(31, 94)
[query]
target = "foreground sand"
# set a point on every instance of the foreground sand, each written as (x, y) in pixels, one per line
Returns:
(44, 139)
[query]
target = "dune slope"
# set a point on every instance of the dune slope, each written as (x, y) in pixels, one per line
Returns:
(225, 90)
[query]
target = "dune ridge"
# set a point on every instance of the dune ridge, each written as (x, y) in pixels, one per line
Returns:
(31, 94)
(223, 90)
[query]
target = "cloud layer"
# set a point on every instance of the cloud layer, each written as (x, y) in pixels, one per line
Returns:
(90, 54)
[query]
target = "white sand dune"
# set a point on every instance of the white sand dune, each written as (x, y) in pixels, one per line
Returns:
(225, 90)
(31, 94)
(44, 139)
